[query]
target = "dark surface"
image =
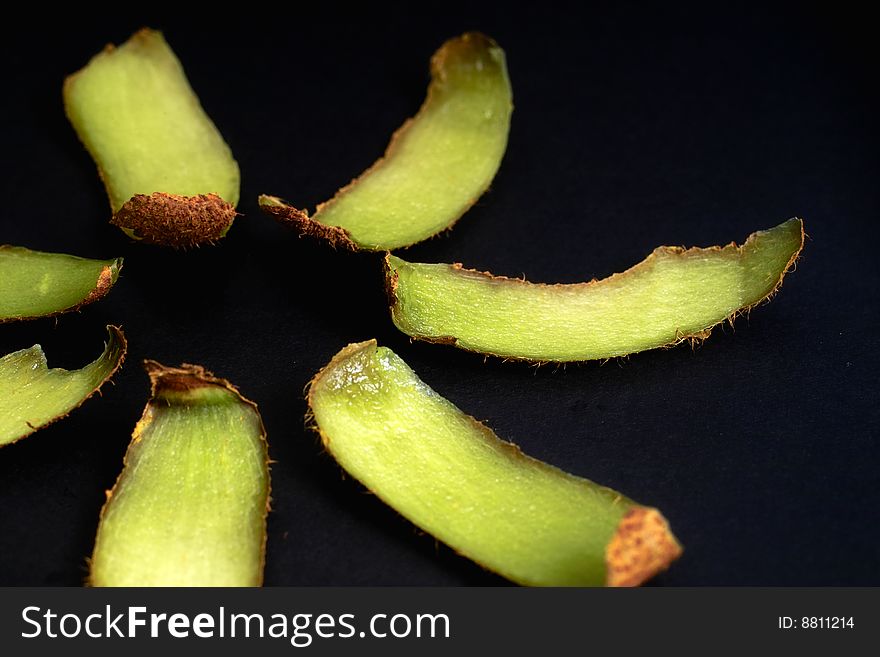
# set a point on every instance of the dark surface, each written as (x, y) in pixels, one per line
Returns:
(633, 128)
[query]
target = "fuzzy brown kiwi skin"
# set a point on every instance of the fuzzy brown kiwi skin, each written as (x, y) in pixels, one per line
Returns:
(694, 339)
(299, 220)
(180, 222)
(184, 379)
(102, 286)
(641, 547)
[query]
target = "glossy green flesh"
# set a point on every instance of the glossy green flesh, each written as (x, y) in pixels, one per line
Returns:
(32, 395)
(443, 162)
(455, 479)
(34, 284)
(189, 508)
(662, 300)
(134, 110)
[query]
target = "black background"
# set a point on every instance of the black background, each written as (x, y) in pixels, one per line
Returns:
(635, 126)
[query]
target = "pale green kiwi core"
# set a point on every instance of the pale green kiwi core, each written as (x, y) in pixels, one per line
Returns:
(454, 478)
(36, 284)
(136, 113)
(670, 296)
(32, 395)
(441, 161)
(189, 508)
